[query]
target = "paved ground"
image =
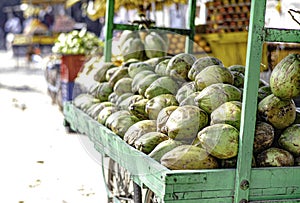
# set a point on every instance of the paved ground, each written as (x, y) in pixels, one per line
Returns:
(40, 162)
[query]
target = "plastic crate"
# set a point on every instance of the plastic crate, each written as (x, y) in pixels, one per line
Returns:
(70, 66)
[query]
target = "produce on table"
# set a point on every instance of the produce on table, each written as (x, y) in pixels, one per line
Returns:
(161, 67)
(144, 83)
(103, 91)
(238, 79)
(284, 79)
(155, 112)
(123, 105)
(105, 113)
(102, 67)
(263, 92)
(133, 48)
(98, 107)
(237, 68)
(123, 97)
(136, 79)
(135, 68)
(77, 42)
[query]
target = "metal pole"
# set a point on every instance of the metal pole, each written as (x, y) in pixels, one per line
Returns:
(256, 38)
(191, 26)
(109, 20)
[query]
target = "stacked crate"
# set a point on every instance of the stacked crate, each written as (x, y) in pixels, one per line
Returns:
(177, 44)
(227, 16)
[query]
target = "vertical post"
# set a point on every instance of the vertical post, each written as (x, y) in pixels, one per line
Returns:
(256, 38)
(109, 20)
(190, 24)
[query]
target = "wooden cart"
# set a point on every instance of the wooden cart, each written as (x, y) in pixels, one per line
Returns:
(241, 184)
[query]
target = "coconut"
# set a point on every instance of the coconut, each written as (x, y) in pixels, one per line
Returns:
(185, 122)
(290, 139)
(273, 157)
(220, 140)
(214, 95)
(212, 75)
(156, 104)
(280, 113)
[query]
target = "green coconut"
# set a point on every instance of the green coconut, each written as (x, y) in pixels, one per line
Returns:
(135, 68)
(122, 86)
(156, 104)
(138, 108)
(185, 90)
(162, 148)
(290, 139)
(274, 157)
(202, 63)
(229, 112)
(163, 117)
(185, 122)
(190, 100)
(179, 66)
(285, 77)
(149, 141)
(162, 85)
(188, 157)
(280, 113)
(220, 140)
(139, 129)
(215, 95)
(263, 137)
(212, 75)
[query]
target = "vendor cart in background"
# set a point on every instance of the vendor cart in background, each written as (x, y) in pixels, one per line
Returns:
(240, 185)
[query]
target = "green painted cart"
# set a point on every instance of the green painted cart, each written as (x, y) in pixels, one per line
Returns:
(240, 185)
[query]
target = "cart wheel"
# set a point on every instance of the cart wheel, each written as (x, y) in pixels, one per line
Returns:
(120, 185)
(68, 127)
(150, 197)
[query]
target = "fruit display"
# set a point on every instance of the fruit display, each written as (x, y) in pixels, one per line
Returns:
(77, 42)
(145, 103)
(227, 16)
(177, 44)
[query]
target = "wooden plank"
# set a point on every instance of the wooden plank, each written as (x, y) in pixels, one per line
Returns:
(282, 35)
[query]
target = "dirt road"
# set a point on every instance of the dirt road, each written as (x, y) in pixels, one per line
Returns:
(40, 162)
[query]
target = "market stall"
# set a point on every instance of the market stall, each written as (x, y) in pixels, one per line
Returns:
(202, 169)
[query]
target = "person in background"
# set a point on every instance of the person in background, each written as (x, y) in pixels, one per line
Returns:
(13, 24)
(12, 27)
